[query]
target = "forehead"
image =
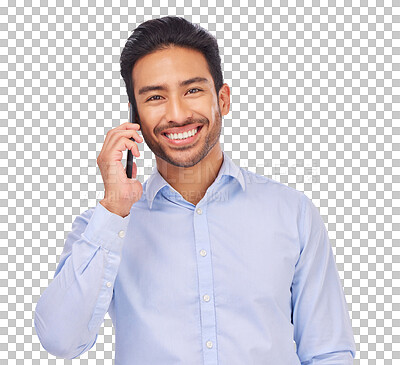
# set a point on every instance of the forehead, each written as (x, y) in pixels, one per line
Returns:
(169, 67)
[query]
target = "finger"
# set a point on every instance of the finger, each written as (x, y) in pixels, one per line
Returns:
(125, 143)
(135, 149)
(124, 126)
(128, 125)
(127, 133)
(112, 139)
(115, 155)
(112, 147)
(134, 170)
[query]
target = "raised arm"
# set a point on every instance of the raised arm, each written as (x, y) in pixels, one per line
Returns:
(71, 310)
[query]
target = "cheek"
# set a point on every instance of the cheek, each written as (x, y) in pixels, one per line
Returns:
(204, 107)
(148, 121)
(154, 116)
(215, 112)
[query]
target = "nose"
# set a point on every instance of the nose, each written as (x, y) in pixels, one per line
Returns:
(178, 110)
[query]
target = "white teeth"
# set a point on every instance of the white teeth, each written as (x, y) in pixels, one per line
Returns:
(182, 135)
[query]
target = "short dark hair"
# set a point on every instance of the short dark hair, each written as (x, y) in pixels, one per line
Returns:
(161, 33)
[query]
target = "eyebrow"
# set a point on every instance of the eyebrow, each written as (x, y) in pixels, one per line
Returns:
(146, 89)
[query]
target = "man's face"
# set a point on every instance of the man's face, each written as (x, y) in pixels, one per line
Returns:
(177, 107)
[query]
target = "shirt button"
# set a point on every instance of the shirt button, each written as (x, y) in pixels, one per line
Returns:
(199, 211)
(209, 344)
(206, 298)
(108, 285)
(203, 253)
(121, 234)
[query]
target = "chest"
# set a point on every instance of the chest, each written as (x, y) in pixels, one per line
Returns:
(242, 256)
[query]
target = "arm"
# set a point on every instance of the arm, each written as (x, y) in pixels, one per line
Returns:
(70, 311)
(322, 326)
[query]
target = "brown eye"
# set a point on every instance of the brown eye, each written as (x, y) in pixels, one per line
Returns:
(194, 89)
(151, 98)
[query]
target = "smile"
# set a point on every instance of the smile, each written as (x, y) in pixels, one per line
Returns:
(183, 135)
(182, 138)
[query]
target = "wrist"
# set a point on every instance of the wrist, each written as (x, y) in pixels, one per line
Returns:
(115, 208)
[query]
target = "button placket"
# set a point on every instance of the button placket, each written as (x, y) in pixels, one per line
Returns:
(206, 284)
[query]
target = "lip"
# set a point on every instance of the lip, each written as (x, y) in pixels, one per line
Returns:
(177, 130)
(180, 142)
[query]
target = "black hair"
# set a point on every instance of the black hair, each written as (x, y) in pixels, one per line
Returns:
(162, 33)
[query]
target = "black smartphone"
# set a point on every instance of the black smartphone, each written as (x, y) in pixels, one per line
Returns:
(129, 158)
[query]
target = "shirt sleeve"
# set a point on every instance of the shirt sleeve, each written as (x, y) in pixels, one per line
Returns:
(322, 326)
(70, 311)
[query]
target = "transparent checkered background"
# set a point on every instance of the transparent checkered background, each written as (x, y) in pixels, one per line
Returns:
(314, 104)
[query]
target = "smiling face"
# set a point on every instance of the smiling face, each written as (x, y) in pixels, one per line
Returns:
(174, 94)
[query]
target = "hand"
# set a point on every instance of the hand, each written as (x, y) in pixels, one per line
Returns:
(120, 191)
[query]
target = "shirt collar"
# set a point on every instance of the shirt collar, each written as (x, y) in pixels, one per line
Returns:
(156, 182)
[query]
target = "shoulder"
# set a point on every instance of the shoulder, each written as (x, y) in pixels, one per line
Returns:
(263, 186)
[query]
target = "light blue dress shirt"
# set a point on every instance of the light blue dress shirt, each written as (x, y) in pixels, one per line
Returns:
(239, 279)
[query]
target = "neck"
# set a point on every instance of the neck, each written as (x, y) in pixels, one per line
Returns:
(193, 182)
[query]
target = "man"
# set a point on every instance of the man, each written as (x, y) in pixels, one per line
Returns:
(206, 263)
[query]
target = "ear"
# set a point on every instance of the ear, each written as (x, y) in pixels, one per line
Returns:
(224, 99)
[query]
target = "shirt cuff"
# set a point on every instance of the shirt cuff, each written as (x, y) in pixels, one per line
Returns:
(106, 229)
